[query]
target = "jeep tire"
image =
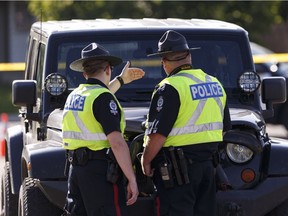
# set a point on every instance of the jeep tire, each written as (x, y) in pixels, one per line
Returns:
(8, 200)
(32, 201)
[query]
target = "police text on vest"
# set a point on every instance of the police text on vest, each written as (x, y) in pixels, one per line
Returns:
(206, 90)
(75, 102)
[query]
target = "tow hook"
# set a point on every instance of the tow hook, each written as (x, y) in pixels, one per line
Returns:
(234, 209)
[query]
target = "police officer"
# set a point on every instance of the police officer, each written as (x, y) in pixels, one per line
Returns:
(184, 127)
(93, 125)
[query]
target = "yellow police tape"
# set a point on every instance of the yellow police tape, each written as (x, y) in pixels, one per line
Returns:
(273, 58)
(6, 67)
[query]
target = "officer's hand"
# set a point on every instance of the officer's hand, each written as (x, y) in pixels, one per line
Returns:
(130, 74)
(146, 169)
(132, 192)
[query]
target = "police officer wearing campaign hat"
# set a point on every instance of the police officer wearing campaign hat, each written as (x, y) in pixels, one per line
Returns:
(93, 126)
(186, 121)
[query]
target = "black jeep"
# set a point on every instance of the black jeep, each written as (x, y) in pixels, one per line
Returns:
(253, 170)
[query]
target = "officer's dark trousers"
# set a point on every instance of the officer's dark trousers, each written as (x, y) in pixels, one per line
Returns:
(198, 198)
(89, 194)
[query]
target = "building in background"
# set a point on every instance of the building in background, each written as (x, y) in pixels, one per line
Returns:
(15, 23)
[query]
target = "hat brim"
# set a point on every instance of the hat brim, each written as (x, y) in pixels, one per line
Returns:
(77, 65)
(171, 51)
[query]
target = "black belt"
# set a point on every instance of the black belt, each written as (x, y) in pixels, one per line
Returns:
(88, 153)
(190, 159)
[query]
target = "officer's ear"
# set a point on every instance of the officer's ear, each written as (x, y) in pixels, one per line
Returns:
(85, 75)
(108, 70)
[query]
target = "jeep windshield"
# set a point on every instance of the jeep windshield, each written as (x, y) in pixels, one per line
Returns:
(217, 55)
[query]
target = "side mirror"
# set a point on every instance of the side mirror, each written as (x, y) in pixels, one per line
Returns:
(24, 92)
(273, 92)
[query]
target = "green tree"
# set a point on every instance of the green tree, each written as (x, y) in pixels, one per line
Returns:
(255, 16)
(64, 10)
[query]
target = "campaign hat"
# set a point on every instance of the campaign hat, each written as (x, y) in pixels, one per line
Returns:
(171, 41)
(91, 52)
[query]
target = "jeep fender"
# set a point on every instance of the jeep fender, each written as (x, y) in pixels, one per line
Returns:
(46, 160)
(14, 152)
(278, 165)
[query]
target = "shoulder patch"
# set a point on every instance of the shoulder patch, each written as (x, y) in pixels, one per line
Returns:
(160, 103)
(113, 107)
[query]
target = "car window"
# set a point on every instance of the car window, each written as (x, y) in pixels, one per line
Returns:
(220, 58)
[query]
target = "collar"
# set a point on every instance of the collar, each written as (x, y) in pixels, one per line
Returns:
(93, 81)
(178, 69)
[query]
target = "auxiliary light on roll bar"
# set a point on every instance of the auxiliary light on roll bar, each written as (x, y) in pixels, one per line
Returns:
(56, 84)
(249, 82)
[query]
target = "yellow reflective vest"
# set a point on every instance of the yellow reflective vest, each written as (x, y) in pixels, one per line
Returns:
(202, 101)
(79, 126)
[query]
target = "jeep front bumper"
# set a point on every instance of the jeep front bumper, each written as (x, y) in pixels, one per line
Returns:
(253, 202)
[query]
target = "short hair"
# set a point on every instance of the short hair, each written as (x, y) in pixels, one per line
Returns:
(93, 66)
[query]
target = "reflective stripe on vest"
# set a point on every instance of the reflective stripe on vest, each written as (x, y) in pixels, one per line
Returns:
(190, 125)
(85, 130)
(84, 133)
(207, 100)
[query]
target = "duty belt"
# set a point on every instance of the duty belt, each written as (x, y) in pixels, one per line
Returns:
(172, 164)
(82, 155)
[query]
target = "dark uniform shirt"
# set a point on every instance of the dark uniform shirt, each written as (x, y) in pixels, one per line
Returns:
(89, 194)
(163, 113)
(104, 114)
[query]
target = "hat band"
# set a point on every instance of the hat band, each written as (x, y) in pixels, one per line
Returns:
(181, 47)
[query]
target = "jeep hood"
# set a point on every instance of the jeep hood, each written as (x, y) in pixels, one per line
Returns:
(246, 117)
(135, 116)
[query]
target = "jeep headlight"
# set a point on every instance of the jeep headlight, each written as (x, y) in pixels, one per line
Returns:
(238, 153)
(56, 84)
(249, 82)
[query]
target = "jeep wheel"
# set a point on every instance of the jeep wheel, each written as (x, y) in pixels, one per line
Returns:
(8, 200)
(32, 201)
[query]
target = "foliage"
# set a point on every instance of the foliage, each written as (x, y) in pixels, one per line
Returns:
(255, 16)
(6, 101)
